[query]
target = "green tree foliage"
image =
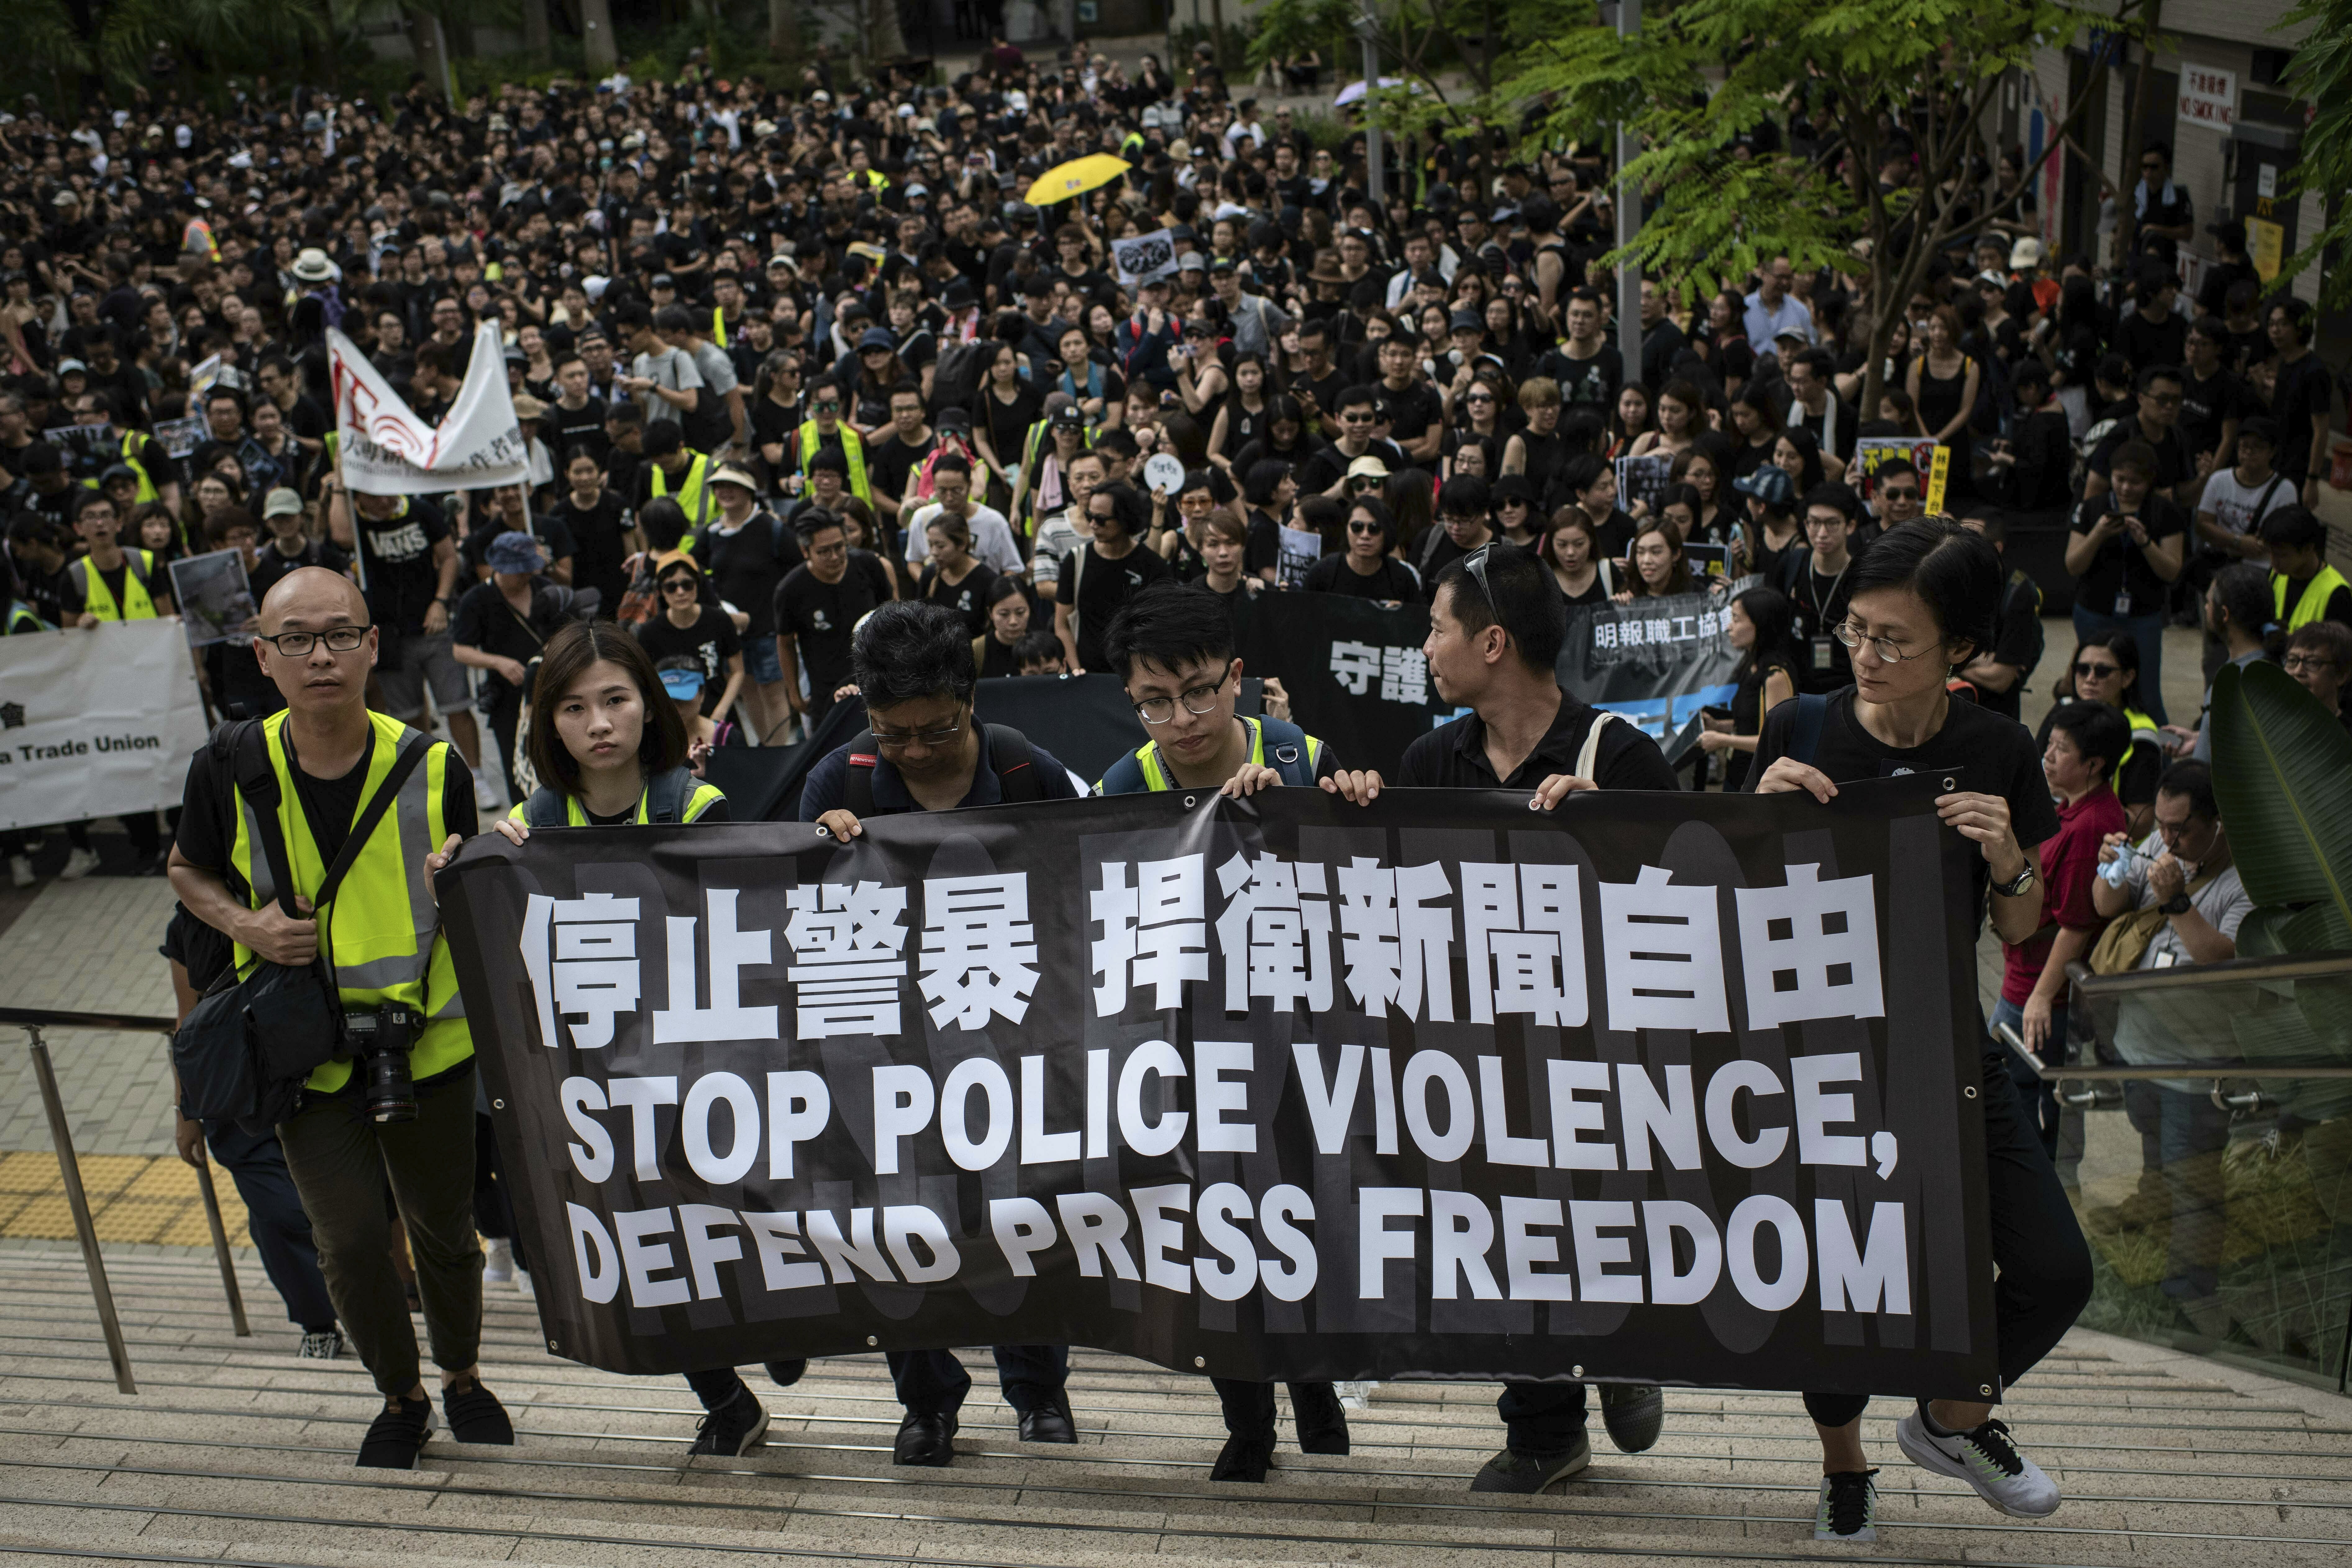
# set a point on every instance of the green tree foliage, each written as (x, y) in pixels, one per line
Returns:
(2321, 75)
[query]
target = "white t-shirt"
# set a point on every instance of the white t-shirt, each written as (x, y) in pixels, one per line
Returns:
(991, 538)
(1055, 539)
(2232, 504)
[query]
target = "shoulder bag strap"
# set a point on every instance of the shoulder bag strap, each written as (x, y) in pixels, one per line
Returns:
(1587, 756)
(412, 751)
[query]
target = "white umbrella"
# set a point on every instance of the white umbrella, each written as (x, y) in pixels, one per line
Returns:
(1355, 89)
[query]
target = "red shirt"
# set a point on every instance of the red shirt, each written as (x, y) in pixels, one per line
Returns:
(2069, 862)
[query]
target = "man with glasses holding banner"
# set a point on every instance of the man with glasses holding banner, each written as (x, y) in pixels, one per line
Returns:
(1496, 625)
(923, 749)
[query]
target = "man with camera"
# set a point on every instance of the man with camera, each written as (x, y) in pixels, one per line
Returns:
(391, 1087)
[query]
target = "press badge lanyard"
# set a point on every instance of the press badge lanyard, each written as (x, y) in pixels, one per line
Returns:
(1822, 641)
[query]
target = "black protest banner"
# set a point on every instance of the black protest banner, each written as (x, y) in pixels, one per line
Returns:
(1656, 662)
(1357, 678)
(1664, 1087)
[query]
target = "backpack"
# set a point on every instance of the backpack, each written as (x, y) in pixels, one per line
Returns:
(777, 534)
(1009, 752)
(956, 382)
(667, 794)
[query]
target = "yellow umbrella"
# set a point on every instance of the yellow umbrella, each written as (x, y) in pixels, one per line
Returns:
(1076, 177)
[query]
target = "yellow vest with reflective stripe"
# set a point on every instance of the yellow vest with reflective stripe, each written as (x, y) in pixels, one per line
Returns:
(693, 491)
(2138, 724)
(718, 326)
(2312, 603)
(853, 449)
(138, 603)
(576, 814)
(1157, 777)
(382, 931)
(132, 442)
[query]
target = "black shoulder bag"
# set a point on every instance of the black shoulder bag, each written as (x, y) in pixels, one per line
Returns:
(247, 1047)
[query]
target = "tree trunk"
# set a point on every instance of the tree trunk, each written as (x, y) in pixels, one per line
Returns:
(884, 41)
(536, 42)
(781, 43)
(2136, 126)
(600, 49)
(1217, 36)
(425, 37)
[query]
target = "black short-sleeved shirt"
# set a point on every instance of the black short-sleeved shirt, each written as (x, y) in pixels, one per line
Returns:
(1320, 471)
(1984, 751)
(888, 462)
(2175, 460)
(968, 598)
(1106, 584)
(2302, 394)
(581, 426)
(1454, 756)
(1410, 411)
(397, 561)
(749, 564)
(600, 546)
(2121, 566)
(2206, 406)
(820, 616)
(712, 640)
(1588, 382)
(207, 829)
(1394, 579)
(484, 620)
(2017, 641)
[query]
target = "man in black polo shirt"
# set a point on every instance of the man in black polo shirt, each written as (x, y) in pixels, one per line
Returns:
(1494, 632)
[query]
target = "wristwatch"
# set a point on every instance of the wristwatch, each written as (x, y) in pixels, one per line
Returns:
(2176, 905)
(2017, 884)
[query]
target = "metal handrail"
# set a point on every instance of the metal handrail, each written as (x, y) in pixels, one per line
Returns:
(33, 1020)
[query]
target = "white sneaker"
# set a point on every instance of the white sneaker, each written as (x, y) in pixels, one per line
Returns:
(498, 1261)
(523, 1287)
(1354, 1396)
(488, 796)
(1848, 1509)
(20, 871)
(79, 863)
(325, 1346)
(1988, 1459)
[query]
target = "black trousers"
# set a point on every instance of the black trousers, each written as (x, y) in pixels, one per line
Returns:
(274, 1220)
(1541, 1417)
(934, 1383)
(2045, 1264)
(1249, 1406)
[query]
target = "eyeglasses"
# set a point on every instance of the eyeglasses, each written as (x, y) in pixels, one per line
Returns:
(677, 585)
(940, 737)
(2296, 663)
(1198, 702)
(295, 645)
(2088, 671)
(1355, 419)
(1888, 650)
(2163, 399)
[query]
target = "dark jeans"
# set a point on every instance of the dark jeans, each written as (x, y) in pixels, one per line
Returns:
(934, 1383)
(2181, 1137)
(1249, 1406)
(2045, 1265)
(1542, 1417)
(2038, 1095)
(338, 1159)
(274, 1220)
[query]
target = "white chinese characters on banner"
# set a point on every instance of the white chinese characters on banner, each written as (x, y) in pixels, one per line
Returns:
(1663, 954)
(1152, 932)
(1809, 950)
(1398, 674)
(582, 957)
(979, 952)
(848, 941)
(1275, 933)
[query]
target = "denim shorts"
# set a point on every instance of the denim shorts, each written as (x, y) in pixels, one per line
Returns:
(759, 660)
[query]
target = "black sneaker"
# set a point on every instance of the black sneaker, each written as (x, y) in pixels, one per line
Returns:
(1244, 1459)
(735, 1427)
(1848, 1507)
(1512, 1471)
(395, 1438)
(476, 1415)
(1632, 1414)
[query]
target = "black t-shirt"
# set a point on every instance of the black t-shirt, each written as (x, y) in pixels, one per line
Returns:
(1410, 411)
(712, 640)
(1322, 471)
(208, 827)
(968, 598)
(2017, 641)
(1591, 383)
(582, 426)
(270, 565)
(2121, 567)
(820, 618)
(396, 559)
(1008, 423)
(1105, 585)
(1820, 602)
(890, 462)
(2147, 343)
(2303, 394)
(1394, 579)
(1983, 752)
(484, 620)
(2206, 406)
(1454, 756)
(600, 546)
(748, 565)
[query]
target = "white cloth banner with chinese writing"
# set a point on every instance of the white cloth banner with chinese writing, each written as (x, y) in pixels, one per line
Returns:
(387, 450)
(95, 721)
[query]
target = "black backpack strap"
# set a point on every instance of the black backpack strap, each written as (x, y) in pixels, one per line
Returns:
(1805, 731)
(1016, 761)
(243, 749)
(545, 808)
(667, 794)
(857, 785)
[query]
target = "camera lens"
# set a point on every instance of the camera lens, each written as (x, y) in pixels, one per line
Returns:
(391, 1091)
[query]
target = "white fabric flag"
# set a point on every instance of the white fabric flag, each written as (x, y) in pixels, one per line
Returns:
(388, 451)
(96, 722)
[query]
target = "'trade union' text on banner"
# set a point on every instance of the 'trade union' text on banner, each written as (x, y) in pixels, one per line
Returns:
(1664, 1087)
(95, 721)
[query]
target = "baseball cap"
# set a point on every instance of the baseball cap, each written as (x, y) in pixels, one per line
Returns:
(281, 502)
(681, 677)
(876, 338)
(2026, 252)
(1070, 417)
(1770, 484)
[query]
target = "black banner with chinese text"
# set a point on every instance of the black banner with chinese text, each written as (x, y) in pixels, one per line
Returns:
(1661, 1087)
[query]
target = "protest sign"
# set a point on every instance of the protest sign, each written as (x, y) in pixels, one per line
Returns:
(1656, 662)
(1144, 257)
(214, 597)
(1643, 480)
(181, 438)
(1872, 453)
(87, 448)
(95, 721)
(1296, 550)
(1671, 1087)
(387, 450)
(1357, 678)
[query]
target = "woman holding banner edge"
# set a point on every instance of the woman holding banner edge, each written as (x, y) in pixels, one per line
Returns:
(1924, 599)
(610, 749)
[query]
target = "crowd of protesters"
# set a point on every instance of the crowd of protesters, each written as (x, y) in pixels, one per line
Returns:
(788, 355)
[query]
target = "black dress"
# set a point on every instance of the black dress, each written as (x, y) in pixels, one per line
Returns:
(1748, 716)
